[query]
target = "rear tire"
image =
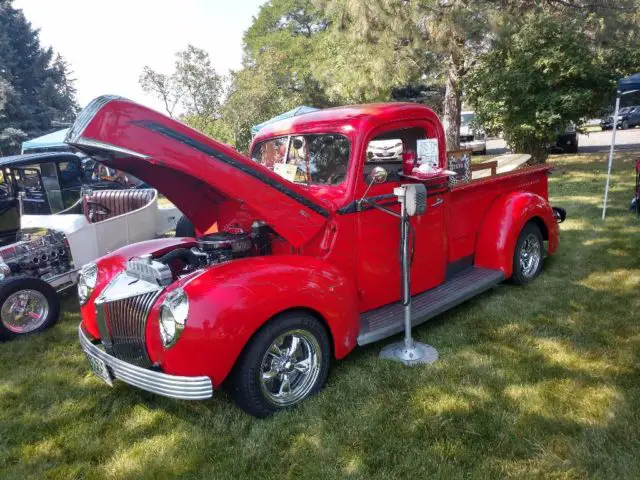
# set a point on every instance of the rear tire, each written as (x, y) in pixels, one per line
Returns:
(184, 228)
(285, 362)
(27, 306)
(528, 255)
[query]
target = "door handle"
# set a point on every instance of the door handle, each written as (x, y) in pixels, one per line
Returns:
(438, 202)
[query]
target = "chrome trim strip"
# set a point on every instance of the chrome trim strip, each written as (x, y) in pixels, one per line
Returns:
(172, 386)
(87, 142)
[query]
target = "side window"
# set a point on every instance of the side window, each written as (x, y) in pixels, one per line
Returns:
(386, 150)
(70, 174)
(28, 179)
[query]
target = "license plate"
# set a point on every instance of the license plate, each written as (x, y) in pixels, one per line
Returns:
(100, 369)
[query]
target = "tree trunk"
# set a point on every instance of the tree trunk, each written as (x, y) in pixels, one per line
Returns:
(453, 103)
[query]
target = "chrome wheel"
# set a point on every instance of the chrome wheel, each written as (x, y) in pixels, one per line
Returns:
(24, 311)
(530, 256)
(290, 367)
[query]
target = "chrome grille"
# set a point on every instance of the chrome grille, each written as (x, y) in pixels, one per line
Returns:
(122, 327)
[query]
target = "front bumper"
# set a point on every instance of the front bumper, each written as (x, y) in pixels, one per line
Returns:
(173, 386)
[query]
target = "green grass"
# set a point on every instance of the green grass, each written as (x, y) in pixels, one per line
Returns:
(535, 382)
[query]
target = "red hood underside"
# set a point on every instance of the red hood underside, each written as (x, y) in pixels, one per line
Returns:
(195, 172)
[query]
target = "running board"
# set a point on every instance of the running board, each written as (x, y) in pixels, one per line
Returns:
(389, 320)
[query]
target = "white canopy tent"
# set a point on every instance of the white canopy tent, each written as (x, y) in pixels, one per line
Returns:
(625, 86)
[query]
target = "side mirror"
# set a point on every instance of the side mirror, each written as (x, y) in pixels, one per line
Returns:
(377, 175)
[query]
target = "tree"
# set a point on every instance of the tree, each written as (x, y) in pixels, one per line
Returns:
(546, 69)
(35, 84)
(194, 89)
(409, 41)
(280, 52)
(164, 87)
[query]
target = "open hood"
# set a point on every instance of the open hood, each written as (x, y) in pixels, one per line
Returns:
(195, 172)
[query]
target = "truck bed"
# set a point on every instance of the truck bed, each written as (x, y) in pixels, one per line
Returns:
(469, 202)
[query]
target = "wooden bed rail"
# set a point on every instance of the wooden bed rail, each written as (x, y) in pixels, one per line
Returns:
(493, 165)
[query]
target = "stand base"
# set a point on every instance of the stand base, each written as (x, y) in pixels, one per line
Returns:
(421, 353)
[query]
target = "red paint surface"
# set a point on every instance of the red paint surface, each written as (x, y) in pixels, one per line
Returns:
(335, 266)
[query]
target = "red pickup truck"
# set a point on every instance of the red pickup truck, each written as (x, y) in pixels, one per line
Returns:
(291, 268)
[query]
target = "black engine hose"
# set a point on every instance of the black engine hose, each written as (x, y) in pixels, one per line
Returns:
(184, 254)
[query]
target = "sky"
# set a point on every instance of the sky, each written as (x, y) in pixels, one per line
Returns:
(107, 43)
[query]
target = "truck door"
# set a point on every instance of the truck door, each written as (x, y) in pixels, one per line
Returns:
(379, 232)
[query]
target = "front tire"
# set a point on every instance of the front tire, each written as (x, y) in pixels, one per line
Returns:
(625, 124)
(286, 362)
(528, 255)
(27, 306)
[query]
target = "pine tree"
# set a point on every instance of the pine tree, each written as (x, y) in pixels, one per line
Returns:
(35, 84)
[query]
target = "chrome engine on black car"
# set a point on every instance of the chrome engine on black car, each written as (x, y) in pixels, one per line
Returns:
(217, 248)
(42, 256)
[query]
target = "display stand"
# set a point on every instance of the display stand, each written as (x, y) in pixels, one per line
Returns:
(408, 351)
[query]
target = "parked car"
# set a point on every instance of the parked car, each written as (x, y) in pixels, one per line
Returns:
(472, 137)
(566, 141)
(628, 117)
(384, 150)
(51, 182)
(292, 271)
(44, 183)
(64, 224)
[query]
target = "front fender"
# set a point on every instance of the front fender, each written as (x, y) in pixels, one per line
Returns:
(228, 303)
(501, 226)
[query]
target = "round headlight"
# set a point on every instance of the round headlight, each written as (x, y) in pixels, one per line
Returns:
(87, 282)
(173, 316)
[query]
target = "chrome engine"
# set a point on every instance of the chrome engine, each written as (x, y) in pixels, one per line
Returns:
(43, 256)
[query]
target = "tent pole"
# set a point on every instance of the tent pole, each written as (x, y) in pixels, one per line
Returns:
(613, 143)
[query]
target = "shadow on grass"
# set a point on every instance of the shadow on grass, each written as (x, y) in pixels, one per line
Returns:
(540, 381)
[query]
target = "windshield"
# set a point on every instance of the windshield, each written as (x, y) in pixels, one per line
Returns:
(306, 159)
(466, 119)
(624, 110)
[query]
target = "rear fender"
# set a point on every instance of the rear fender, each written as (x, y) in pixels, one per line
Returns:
(228, 303)
(501, 226)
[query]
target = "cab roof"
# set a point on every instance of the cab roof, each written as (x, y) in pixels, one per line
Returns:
(346, 118)
(29, 158)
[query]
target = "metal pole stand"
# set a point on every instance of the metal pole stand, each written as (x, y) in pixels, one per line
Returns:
(408, 351)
